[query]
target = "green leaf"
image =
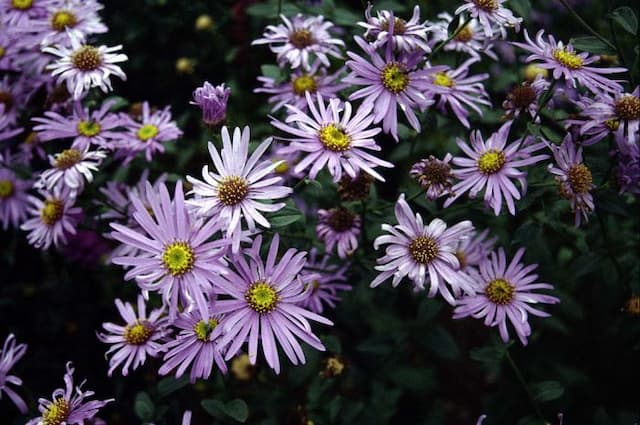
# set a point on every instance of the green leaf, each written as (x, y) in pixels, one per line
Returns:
(592, 45)
(170, 384)
(490, 357)
(236, 409)
(286, 216)
(143, 407)
(547, 390)
(442, 343)
(272, 71)
(626, 18)
(521, 7)
(332, 343)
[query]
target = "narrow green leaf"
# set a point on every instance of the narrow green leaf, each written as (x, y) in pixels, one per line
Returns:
(236, 409)
(170, 384)
(626, 18)
(592, 45)
(547, 390)
(143, 407)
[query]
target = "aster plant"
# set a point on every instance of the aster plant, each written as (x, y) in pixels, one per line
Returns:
(10, 354)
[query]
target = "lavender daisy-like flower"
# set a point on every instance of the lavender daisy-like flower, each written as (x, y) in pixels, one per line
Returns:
(403, 35)
(433, 175)
(491, 15)
(294, 92)
(491, 165)
(7, 130)
(68, 405)
(53, 217)
(332, 140)
(573, 177)
(239, 187)
(392, 82)
(504, 294)
(9, 356)
(474, 250)
(628, 169)
(14, 198)
(523, 98)
(212, 100)
(84, 66)
(16, 13)
(565, 62)
(86, 128)
(469, 39)
(197, 344)
(339, 227)
(454, 88)
(326, 280)
(264, 305)
(174, 257)
(149, 135)
(300, 39)
(142, 336)
(71, 168)
(423, 253)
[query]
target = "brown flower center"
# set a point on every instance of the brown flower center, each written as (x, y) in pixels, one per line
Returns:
(301, 38)
(62, 20)
(6, 99)
(67, 159)
(423, 249)
(488, 5)
(580, 178)
(86, 58)
(522, 96)
(138, 333)
(232, 190)
(464, 35)
(399, 26)
(628, 107)
(499, 291)
(355, 189)
(340, 219)
(434, 172)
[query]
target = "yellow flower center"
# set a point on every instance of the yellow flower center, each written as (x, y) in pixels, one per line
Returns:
(531, 71)
(395, 77)
(203, 329)
(242, 368)
(56, 413)
(464, 35)
(63, 19)
(282, 167)
(334, 138)
(488, 5)
(442, 79)
(138, 333)
(67, 159)
(580, 178)
(22, 4)
(86, 58)
(303, 84)
(612, 124)
(262, 297)
(628, 107)
(570, 60)
(499, 291)
(89, 128)
(178, 258)
(301, 38)
(423, 249)
(491, 161)
(147, 132)
(6, 189)
(232, 190)
(52, 211)
(2, 51)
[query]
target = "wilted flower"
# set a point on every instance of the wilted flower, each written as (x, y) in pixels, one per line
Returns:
(491, 15)
(523, 98)
(213, 102)
(434, 176)
(9, 356)
(14, 198)
(339, 227)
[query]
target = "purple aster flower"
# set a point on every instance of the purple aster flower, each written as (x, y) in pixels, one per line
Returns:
(84, 66)
(339, 227)
(422, 253)
(63, 21)
(15, 13)
(174, 257)
(493, 17)
(142, 336)
(53, 217)
(9, 52)
(14, 95)
(470, 39)
(300, 39)
(9, 356)
(14, 198)
(264, 305)
(68, 405)
(148, 135)
(390, 83)
(491, 166)
(331, 140)
(293, 92)
(238, 189)
(434, 176)
(402, 35)
(71, 168)
(86, 128)
(628, 170)
(213, 102)
(7, 130)
(326, 280)
(29, 148)
(565, 62)
(475, 249)
(523, 98)
(504, 295)
(196, 345)
(453, 87)
(573, 177)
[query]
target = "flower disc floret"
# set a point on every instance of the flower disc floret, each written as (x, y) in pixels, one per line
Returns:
(464, 35)
(262, 297)
(203, 329)
(443, 80)
(341, 220)
(523, 96)
(423, 249)
(86, 58)
(57, 412)
(178, 258)
(22, 4)
(138, 333)
(628, 107)
(89, 128)
(232, 190)
(63, 19)
(491, 161)
(6, 189)
(399, 26)
(334, 138)
(568, 59)
(68, 158)
(52, 211)
(394, 77)
(487, 5)
(301, 38)
(304, 83)
(147, 132)
(580, 178)
(499, 291)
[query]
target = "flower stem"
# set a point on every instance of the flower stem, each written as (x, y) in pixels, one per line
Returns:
(451, 37)
(520, 377)
(585, 24)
